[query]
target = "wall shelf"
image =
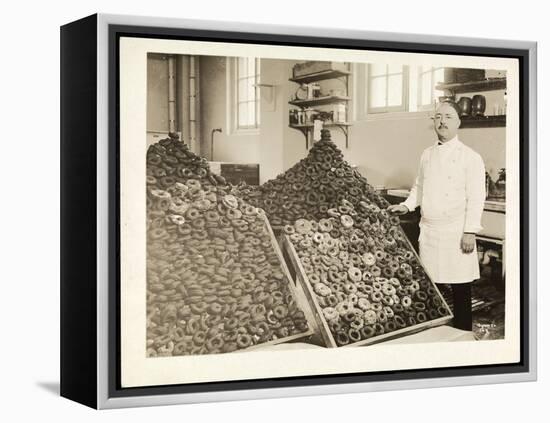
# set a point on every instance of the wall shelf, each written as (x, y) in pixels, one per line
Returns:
(483, 122)
(319, 101)
(474, 86)
(319, 76)
(334, 74)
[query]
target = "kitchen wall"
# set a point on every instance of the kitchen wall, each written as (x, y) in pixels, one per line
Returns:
(385, 148)
(229, 146)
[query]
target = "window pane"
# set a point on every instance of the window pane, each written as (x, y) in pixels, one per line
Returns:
(426, 68)
(377, 69)
(426, 87)
(251, 113)
(251, 66)
(258, 113)
(395, 90)
(377, 97)
(395, 68)
(243, 114)
(439, 76)
(242, 90)
(241, 67)
(251, 90)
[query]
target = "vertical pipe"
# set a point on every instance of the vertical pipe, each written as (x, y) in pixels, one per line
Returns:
(192, 105)
(171, 94)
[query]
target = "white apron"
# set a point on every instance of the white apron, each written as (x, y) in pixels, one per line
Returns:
(443, 205)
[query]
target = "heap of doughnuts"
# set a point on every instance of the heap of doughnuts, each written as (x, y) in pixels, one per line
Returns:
(170, 161)
(310, 188)
(214, 281)
(365, 278)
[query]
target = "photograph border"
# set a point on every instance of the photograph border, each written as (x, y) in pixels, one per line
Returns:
(111, 28)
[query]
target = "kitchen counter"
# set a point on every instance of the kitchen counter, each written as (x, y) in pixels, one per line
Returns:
(494, 206)
(493, 219)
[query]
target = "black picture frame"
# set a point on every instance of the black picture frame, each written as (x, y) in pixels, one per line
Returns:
(90, 369)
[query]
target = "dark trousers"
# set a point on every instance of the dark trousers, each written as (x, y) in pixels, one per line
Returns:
(462, 305)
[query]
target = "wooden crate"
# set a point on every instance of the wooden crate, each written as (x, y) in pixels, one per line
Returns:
(322, 324)
(292, 290)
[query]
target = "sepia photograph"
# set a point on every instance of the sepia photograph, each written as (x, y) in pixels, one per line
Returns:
(334, 210)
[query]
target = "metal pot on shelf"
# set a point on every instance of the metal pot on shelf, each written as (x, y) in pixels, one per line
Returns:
(478, 105)
(465, 105)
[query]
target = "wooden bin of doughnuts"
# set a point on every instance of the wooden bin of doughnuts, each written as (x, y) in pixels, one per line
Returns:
(291, 281)
(216, 278)
(323, 325)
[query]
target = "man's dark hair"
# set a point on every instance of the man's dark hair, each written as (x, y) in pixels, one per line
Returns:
(453, 105)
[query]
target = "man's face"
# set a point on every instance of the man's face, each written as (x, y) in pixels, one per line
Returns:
(446, 122)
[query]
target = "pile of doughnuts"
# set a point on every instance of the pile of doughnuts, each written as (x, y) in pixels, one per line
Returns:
(170, 161)
(310, 188)
(366, 279)
(214, 281)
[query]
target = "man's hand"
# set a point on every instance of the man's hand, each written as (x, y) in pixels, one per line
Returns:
(397, 209)
(468, 243)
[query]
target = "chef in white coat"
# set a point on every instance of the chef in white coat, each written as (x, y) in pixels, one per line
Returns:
(450, 190)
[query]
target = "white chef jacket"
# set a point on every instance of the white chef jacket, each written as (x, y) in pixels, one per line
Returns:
(450, 189)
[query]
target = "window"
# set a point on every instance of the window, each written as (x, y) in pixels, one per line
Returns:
(387, 88)
(428, 78)
(247, 95)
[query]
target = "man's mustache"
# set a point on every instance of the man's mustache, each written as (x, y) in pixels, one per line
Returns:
(441, 125)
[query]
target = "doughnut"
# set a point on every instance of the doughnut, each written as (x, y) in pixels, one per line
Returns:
(411, 321)
(421, 317)
(342, 338)
(280, 312)
(388, 289)
(398, 308)
(303, 226)
(387, 301)
(421, 296)
(387, 272)
(367, 332)
(400, 322)
(343, 308)
(313, 278)
(192, 326)
(376, 271)
(332, 300)
(390, 326)
(369, 259)
(215, 308)
(325, 225)
(378, 329)
(330, 313)
(231, 324)
(406, 301)
(244, 340)
(381, 316)
(322, 289)
(199, 337)
(355, 274)
(388, 311)
(180, 348)
(198, 308)
(418, 306)
(370, 317)
(364, 304)
(376, 296)
(347, 221)
(442, 311)
(354, 335)
(350, 288)
(214, 343)
(229, 201)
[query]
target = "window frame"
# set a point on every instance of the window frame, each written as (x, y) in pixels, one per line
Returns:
(233, 97)
(419, 105)
(404, 107)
